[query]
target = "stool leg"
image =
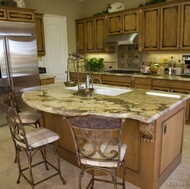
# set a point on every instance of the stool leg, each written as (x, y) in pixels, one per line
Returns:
(80, 177)
(18, 162)
(114, 179)
(30, 169)
(43, 152)
(58, 162)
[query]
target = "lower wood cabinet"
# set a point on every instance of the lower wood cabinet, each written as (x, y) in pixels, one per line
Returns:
(116, 80)
(47, 81)
(142, 83)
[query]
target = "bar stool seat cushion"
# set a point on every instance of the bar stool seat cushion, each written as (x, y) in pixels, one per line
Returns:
(40, 137)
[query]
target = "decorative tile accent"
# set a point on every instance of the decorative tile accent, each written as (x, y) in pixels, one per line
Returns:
(129, 57)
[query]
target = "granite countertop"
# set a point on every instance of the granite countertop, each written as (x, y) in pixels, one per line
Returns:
(46, 76)
(151, 76)
(138, 105)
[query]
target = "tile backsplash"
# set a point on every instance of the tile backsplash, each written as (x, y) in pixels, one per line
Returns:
(129, 57)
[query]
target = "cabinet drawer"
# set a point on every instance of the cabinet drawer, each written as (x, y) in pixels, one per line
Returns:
(142, 81)
(17, 15)
(171, 84)
(47, 81)
(161, 83)
(116, 80)
(181, 85)
(3, 14)
(73, 76)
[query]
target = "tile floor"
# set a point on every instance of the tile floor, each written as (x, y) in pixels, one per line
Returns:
(180, 178)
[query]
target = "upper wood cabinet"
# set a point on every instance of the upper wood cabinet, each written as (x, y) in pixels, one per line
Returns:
(114, 23)
(185, 25)
(80, 35)
(123, 22)
(40, 34)
(16, 14)
(170, 26)
(165, 26)
(100, 33)
(130, 21)
(90, 34)
(150, 30)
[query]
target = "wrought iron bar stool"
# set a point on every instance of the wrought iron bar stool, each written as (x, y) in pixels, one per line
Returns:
(99, 147)
(37, 139)
(28, 118)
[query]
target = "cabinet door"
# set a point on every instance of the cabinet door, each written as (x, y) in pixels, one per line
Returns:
(170, 26)
(21, 15)
(3, 14)
(99, 33)
(89, 33)
(150, 28)
(185, 25)
(130, 21)
(40, 34)
(114, 24)
(80, 36)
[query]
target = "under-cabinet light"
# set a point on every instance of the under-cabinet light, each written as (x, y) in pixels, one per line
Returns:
(163, 94)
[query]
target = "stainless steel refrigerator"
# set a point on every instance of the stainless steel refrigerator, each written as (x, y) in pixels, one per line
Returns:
(18, 58)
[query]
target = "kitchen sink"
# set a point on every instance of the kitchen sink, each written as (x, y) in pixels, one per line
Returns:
(105, 90)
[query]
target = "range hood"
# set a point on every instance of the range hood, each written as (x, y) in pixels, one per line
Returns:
(124, 39)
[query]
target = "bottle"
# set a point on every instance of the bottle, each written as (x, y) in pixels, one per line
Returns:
(87, 81)
(171, 66)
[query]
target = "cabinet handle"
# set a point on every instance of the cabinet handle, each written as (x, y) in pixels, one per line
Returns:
(164, 128)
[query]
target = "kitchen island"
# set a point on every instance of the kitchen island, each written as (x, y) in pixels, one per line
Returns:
(153, 129)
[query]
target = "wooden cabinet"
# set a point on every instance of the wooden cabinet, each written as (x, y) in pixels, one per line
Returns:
(114, 23)
(16, 14)
(142, 83)
(116, 80)
(170, 26)
(40, 34)
(3, 14)
(47, 81)
(100, 33)
(150, 28)
(130, 21)
(80, 35)
(165, 27)
(171, 141)
(173, 86)
(73, 77)
(185, 25)
(123, 22)
(90, 34)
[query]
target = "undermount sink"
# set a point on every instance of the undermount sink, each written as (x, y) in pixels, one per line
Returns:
(109, 91)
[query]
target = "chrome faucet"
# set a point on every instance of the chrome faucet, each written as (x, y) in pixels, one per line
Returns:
(100, 81)
(90, 80)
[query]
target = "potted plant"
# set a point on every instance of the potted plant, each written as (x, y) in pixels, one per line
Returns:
(94, 64)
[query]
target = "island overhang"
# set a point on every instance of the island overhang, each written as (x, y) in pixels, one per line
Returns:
(153, 129)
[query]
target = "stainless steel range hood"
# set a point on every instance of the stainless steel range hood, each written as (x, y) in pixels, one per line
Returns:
(124, 39)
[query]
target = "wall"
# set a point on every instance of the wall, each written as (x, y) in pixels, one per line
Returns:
(72, 9)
